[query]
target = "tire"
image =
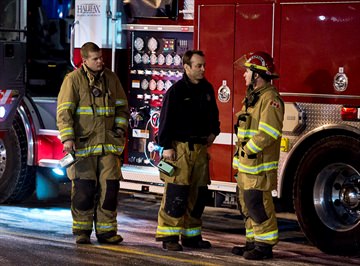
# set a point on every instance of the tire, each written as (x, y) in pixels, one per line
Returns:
(17, 179)
(327, 195)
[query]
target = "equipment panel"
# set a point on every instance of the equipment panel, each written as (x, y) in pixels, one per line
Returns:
(156, 64)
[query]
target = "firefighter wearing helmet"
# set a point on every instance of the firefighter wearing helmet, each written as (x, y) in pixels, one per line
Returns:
(259, 130)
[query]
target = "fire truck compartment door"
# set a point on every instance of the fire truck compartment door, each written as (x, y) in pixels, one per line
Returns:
(293, 118)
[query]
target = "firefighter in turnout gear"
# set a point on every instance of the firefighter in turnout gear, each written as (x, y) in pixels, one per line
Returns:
(92, 117)
(189, 123)
(259, 131)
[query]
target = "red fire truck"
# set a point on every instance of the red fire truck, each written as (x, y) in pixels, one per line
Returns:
(314, 44)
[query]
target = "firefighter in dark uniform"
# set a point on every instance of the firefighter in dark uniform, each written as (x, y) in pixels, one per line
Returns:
(259, 131)
(92, 117)
(189, 123)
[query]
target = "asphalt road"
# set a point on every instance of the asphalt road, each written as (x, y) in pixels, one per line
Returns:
(39, 233)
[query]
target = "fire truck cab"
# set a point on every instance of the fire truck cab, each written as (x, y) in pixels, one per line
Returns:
(315, 48)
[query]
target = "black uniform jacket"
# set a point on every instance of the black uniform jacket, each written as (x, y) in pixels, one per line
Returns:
(189, 112)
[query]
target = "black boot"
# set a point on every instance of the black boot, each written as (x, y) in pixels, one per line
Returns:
(111, 240)
(195, 242)
(172, 245)
(239, 250)
(260, 252)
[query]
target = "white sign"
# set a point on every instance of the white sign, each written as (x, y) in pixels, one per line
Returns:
(91, 17)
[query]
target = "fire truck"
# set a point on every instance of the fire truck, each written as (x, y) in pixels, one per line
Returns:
(314, 45)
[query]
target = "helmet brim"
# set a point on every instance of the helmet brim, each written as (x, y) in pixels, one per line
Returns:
(242, 63)
(239, 64)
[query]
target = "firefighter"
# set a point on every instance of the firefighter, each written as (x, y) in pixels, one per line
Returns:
(92, 117)
(189, 123)
(259, 130)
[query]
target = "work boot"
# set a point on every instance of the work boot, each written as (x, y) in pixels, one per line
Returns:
(111, 240)
(195, 243)
(83, 239)
(239, 250)
(260, 252)
(172, 245)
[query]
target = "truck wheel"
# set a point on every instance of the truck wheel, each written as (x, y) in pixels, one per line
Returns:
(17, 179)
(327, 194)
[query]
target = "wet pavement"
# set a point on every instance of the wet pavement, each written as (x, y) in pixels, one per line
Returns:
(39, 233)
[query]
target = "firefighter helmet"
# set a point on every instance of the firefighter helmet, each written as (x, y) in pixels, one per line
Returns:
(259, 62)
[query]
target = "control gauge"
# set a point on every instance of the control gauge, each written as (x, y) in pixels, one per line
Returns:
(177, 60)
(152, 85)
(178, 74)
(137, 58)
(169, 59)
(161, 59)
(153, 59)
(144, 84)
(145, 59)
(152, 44)
(160, 85)
(139, 43)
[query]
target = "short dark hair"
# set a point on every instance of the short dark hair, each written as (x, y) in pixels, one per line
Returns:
(88, 47)
(189, 54)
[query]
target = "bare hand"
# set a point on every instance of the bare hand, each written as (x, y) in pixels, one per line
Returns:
(169, 154)
(120, 132)
(69, 146)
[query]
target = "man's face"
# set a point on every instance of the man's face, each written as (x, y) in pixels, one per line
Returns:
(94, 61)
(247, 75)
(196, 71)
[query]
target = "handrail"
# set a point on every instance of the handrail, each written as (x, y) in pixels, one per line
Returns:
(72, 43)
